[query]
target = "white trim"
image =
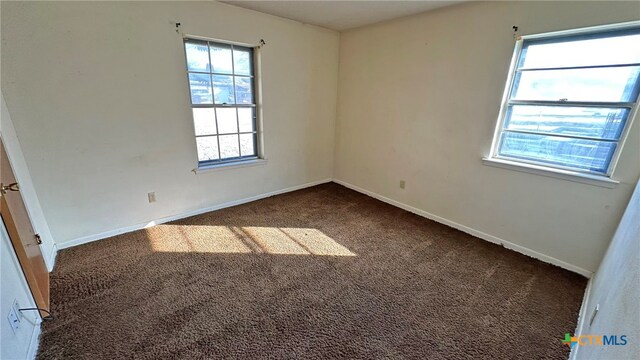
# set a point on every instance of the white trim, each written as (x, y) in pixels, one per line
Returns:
(471, 231)
(574, 176)
(232, 165)
(51, 258)
(506, 95)
(33, 343)
(585, 30)
(221, 41)
(107, 234)
(582, 318)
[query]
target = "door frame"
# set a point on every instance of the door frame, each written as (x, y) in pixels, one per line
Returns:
(40, 296)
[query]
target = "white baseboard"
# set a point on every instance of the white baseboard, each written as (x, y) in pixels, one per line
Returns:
(463, 228)
(471, 231)
(110, 233)
(50, 259)
(34, 342)
(582, 318)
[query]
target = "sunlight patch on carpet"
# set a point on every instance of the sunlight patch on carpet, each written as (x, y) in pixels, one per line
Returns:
(243, 240)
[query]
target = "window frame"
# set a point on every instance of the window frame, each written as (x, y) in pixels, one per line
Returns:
(496, 159)
(239, 161)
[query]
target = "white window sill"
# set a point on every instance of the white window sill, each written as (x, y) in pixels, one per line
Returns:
(574, 176)
(228, 166)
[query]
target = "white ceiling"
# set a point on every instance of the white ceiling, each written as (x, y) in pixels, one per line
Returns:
(341, 15)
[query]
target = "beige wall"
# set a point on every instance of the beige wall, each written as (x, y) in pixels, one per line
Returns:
(418, 101)
(100, 105)
(615, 289)
(99, 98)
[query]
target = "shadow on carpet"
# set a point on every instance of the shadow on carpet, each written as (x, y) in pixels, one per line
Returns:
(319, 273)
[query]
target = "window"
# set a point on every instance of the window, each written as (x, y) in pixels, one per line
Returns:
(570, 99)
(221, 84)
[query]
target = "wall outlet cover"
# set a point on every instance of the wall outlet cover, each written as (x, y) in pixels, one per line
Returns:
(13, 320)
(16, 308)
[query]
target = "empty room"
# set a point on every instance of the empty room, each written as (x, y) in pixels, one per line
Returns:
(320, 180)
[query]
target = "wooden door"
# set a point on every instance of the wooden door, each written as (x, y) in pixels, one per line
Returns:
(24, 240)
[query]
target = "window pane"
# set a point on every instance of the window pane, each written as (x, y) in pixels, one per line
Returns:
(223, 89)
(227, 122)
(242, 61)
(245, 117)
(200, 88)
(604, 123)
(221, 58)
(247, 147)
(221, 74)
(601, 84)
(207, 148)
(197, 56)
(243, 90)
(204, 121)
(576, 153)
(603, 51)
(229, 146)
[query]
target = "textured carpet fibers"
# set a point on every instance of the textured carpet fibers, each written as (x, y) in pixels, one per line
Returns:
(318, 273)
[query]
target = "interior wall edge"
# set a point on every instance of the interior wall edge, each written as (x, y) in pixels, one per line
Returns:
(34, 343)
(611, 305)
(582, 315)
(28, 191)
(146, 224)
(471, 231)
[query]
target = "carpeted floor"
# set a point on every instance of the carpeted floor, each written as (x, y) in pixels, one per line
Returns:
(318, 273)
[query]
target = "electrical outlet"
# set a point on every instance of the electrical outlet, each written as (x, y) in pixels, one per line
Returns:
(16, 308)
(14, 322)
(152, 197)
(402, 184)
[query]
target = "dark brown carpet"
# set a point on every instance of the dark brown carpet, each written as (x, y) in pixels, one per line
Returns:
(318, 273)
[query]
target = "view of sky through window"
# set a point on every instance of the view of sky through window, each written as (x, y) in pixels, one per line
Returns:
(570, 100)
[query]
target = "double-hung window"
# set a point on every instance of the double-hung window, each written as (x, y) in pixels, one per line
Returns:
(570, 99)
(221, 83)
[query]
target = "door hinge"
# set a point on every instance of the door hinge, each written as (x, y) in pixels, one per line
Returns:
(38, 239)
(10, 187)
